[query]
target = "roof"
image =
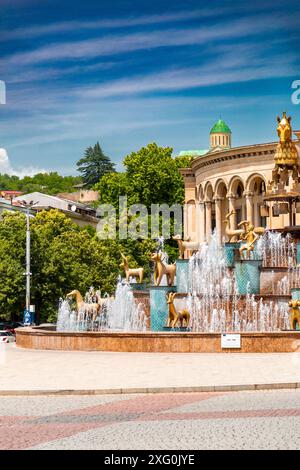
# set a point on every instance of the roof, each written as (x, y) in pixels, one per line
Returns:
(36, 195)
(192, 153)
(4, 191)
(220, 127)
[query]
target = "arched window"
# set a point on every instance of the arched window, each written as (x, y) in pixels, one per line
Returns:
(239, 191)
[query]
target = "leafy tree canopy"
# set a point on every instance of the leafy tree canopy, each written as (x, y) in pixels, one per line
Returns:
(94, 165)
(151, 177)
(48, 183)
(63, 257)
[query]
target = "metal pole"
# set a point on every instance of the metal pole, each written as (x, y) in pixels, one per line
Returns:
(28, 274)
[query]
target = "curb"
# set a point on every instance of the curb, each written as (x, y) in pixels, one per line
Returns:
(120, 391)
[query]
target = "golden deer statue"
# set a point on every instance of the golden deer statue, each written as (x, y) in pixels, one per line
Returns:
(138, 273)
(161, 269)
(183, 245)
(84, 307)
(181, 317)
(294, 314)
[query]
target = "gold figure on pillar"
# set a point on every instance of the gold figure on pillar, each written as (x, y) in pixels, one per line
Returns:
(294, 314)
(286, 156)
(250, 235)
(286, 153)
(161, 269)
(182, 317)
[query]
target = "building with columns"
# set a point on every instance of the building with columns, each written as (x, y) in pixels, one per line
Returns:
(225, 179)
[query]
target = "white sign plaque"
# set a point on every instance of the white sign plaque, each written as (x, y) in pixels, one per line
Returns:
(229, 341)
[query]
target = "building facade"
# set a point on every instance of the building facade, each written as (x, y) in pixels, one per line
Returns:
(229, 179)
(80, 214)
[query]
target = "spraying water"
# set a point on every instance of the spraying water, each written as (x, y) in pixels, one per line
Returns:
(120, 313)
(215, 305)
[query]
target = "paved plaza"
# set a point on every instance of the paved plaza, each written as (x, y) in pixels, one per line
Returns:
(27, 370)
(229, 420)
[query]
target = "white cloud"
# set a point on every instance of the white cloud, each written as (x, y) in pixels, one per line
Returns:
(122, 43)
(114, 23)
(6, 168)
(4, 161)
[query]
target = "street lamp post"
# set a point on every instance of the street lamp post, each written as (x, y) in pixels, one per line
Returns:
(28, 316)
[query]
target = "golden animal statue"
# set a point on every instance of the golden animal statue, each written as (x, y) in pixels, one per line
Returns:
(286, 155)
(181, 317)
(138, 273)
(183, 245)
(83, 307)
(294, 314)
(250, 235)
(231, 233)
(161, 269)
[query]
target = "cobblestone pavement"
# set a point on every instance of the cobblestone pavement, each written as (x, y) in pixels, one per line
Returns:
(232, 420)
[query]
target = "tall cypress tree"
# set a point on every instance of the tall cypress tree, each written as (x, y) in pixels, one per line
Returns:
(94, 165)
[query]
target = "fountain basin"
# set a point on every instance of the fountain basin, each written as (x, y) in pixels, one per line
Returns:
(162, 342)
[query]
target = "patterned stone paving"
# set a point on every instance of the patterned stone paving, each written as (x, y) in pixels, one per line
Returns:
(235, 420)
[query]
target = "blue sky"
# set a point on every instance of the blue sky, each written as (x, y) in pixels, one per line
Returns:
(127, 73)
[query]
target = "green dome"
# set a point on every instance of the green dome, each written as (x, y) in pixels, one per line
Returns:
(220, 127)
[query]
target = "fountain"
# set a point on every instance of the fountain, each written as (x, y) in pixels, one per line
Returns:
(208, 303)
(249, 287)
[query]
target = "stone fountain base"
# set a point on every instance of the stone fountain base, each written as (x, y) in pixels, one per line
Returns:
(161, 342)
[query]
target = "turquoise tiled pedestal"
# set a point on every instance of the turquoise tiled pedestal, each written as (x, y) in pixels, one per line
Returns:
(295, 293)
(298, 252)
(158, 307)
(138, 286)
(229, 249)
(182, 276)
(247, 274)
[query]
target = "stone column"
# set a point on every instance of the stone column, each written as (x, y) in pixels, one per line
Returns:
(185, 221)
(201, 221)
(218, 206)
(208, 220)
(231, 207)
(249, 206)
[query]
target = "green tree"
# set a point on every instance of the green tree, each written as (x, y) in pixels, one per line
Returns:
(63, 257)
(94, 165)
(48, 183)
(151, 177)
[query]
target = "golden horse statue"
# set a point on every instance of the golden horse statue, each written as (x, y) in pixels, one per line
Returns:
(182, 317)
(161, 269)
(294, 314)
(286, 153)
(92, 309)
(131, 272)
